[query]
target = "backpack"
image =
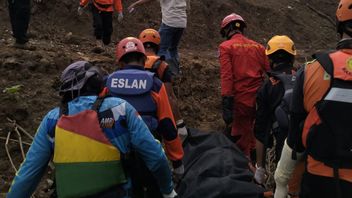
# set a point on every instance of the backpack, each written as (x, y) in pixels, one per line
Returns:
(331, 141)
(281, 116)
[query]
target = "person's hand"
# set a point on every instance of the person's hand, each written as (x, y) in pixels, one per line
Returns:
(259, 175)
(280, 191)
(80, 10)
(38, 1)
(181, 129)
(120, 17)
(173, 194)
(227, 109)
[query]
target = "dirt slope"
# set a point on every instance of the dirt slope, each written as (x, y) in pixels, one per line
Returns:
(61, 37)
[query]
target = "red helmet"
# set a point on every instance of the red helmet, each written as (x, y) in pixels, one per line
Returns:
(128, 45)
(230, 18)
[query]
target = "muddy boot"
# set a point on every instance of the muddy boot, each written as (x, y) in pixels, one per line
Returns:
(24, 46)
(99, 48)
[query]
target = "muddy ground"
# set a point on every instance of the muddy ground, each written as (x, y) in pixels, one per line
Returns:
(62, 37)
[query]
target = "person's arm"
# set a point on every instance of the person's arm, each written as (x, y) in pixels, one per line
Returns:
(83, 3)
(118, 6)
(37, 158)
(137, 3)
(263, 122)
(226, 73)
(298, 114)
(167, 127)
(150, 150)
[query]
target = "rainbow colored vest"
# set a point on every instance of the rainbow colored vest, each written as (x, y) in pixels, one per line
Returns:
(86, 163)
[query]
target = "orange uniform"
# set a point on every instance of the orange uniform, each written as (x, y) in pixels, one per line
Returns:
(242, 65)
(312, 97)
(105, 5)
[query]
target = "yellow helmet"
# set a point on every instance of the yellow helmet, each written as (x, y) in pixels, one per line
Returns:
(280, 42)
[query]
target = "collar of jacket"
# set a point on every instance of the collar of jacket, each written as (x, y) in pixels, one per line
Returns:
(235, 34)
(138, 67)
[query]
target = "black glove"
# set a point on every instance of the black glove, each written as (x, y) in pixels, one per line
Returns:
(227, 109)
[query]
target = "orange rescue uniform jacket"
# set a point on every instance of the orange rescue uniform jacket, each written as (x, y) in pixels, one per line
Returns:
(313, 82)
(104, 5)
(242, 65)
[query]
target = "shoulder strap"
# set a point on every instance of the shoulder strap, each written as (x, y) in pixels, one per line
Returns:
(156, 65)
(326, 62)
(63, 109)
(97, 103)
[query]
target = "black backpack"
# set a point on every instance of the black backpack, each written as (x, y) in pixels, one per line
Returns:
(281, 117)
(331, 141)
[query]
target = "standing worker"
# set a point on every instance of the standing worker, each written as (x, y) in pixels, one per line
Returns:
(273, 100)
(102, 11)
(320, 121)
(174, 22)
(148, 95)
(88, 138)
(243, 64)
(156, 64)
(20, 12)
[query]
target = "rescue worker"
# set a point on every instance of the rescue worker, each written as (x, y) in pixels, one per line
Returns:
(242, 65)
(273, 99)
(148, 95)
(174, 22)
(156, 64)
(320, 121)
(20, 12)
(88, 138)
(102, 12)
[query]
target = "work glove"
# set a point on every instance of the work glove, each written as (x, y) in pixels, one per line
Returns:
(227, 109)
(181, 129)
(80, 10)
(173, 194)
(259, 175)
(120, 17)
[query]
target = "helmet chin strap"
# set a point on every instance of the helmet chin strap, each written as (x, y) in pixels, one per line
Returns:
(345, 43)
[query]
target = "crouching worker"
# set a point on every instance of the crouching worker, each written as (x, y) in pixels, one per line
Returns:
(157, 64)
(273, 100)
(87, 137)
(148, 95)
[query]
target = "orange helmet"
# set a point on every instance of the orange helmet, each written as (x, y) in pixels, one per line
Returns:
(231, 18)
(344, 12)
(150, 36)
(128, 45)
(280, 42)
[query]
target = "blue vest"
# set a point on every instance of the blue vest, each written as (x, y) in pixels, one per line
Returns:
(135, 87)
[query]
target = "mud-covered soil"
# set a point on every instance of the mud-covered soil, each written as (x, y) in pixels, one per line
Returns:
(62, 37)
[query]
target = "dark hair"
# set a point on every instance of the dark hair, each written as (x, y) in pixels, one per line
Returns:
(345, 27)
(153, 46)
(133, 57)
(93, 86)
(282, 59)
(236, 26)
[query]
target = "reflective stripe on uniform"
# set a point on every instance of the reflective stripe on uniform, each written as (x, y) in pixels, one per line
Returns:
(339, 95)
